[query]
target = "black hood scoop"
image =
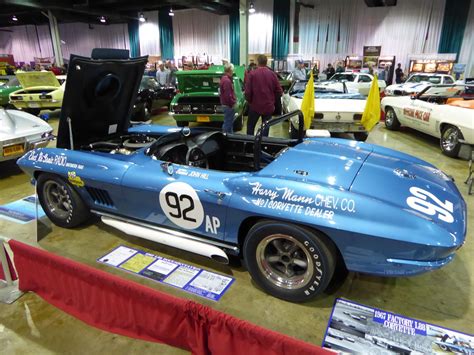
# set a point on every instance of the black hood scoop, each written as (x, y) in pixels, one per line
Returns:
(98, 99)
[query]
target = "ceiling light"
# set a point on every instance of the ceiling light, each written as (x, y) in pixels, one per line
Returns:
(102, 19)
(14, 18)
(171, 13)
(142, 18)
(251, 8)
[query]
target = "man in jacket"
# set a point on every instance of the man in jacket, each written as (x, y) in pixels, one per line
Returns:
(261, 90)
(227, 98)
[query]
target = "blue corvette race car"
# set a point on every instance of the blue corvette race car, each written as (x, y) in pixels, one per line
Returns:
(291, 208)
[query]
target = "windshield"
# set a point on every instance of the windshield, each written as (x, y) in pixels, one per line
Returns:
(12, 82)
(442, 91)
(434, 79)
(343, 77)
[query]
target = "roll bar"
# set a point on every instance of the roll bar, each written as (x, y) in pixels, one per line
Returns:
(257, 148)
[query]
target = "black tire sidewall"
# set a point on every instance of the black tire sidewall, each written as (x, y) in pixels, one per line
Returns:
(321, 250)
(79, 214)
(395, 123)
(361, 136)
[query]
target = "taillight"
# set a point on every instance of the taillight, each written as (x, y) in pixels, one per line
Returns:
(46, 97)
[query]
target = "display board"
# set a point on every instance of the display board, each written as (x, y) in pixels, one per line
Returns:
(170, 272)
(21, 211)
(356, 328)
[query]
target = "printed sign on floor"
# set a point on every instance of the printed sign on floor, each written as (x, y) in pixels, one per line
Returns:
(355, 328)
(186, 277)
(21, 211)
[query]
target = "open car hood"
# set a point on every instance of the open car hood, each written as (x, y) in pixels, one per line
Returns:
(37, 78)
(98, 99)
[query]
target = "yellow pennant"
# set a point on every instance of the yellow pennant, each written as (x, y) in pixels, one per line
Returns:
(307, 105)
(371, 114)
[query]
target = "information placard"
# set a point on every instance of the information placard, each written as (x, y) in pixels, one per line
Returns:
(21, 211)
(186, 277)
(355, 328)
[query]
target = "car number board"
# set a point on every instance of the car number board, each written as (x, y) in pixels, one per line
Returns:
(203, 119)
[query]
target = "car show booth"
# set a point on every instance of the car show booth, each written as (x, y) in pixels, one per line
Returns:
(133, 220)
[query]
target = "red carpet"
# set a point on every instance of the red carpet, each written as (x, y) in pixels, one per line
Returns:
(120, 306)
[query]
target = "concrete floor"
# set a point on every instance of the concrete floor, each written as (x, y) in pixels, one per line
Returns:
(444, 297)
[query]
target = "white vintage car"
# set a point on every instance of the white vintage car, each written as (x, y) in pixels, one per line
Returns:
(21, 132)
(355, 82)
(438, 111)
(337, 110)
(417, 82)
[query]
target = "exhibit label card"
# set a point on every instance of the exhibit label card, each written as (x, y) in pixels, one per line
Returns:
(186, 277)
(355, 328)
(21, 211)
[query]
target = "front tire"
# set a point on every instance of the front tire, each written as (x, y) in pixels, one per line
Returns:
(288, 261)
(391, 119)
(361, 136)
(450, 141)
(61, 203)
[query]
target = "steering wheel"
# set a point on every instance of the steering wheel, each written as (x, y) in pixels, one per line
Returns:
(196, 157)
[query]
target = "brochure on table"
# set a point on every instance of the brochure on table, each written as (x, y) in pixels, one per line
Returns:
(170, 272)
(355, 328)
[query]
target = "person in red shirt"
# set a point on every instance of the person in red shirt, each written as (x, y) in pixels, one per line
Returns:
(227, 98)
(261, 90)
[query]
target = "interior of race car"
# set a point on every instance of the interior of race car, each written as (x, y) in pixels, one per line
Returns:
(208, 150)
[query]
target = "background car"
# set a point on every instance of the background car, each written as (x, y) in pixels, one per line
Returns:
(150, 95)
(293, 209)
(355, 82)
(438, 111)
(40, 91)
(418, 82)
(6, 89)
(20, 132)
(337, 110)
(198, 97)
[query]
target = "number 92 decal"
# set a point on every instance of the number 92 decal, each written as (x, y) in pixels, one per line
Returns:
(420, 201)
(181, 205)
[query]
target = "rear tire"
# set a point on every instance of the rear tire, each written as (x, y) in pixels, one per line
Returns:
(61, 203)
(288, 261)
(361, 136)
(449, 141)
(391, 119)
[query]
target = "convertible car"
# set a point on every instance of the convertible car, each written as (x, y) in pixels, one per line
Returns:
(41, 91)
(337, 110)
(418, 82)
(439, 111)
(355, 82)
(21, 132)
(293, 209)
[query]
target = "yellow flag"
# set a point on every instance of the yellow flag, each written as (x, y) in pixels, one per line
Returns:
(307, 105)
(371, 114)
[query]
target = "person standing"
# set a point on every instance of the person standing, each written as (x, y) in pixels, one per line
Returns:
(340, 68)
(299, 73)
(227, 98)
(261, 91)
(330, 71)
(162, 75)
(399, 74)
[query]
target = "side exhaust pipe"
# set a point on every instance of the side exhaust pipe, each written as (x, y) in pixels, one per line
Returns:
(175, 240)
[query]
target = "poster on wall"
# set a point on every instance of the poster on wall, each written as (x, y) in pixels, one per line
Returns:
(371, 56)
(355, 328)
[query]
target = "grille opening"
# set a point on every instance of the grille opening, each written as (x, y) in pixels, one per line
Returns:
(100, 196)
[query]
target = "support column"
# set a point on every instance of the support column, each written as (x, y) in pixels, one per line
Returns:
(55, 39)
(244, 32)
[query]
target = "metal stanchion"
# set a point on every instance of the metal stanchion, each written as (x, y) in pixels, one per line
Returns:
(470, 178)
(9, 291)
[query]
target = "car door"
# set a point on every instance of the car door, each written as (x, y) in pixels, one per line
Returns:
(178, 196)
(416, 114)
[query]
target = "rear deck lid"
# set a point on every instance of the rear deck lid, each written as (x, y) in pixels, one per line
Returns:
(37, 78)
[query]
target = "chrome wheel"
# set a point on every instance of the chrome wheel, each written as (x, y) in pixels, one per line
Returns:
(284, 261)
(389, 117)
(57, 199)
(450, 139)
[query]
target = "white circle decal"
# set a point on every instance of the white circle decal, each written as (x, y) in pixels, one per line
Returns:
(181, 205)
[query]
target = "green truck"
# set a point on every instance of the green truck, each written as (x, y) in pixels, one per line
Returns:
(197, 98)
(7, 88)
